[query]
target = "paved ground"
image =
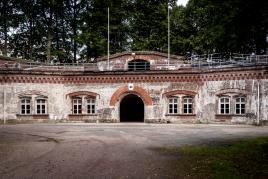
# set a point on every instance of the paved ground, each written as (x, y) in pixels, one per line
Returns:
(102, 150)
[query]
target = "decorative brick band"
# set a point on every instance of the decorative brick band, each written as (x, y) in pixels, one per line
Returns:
(137, 90)
(133, 77)
(32, 92)
(184, 92)
(82, 93)
(235, 91)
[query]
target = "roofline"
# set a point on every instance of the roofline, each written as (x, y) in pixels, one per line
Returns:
(175, 57)
(96, 73)
(103, 58)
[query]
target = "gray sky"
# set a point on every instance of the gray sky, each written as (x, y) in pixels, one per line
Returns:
(182, 2)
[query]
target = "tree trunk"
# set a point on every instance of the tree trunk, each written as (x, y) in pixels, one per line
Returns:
(64, 41)
(57, 38)
(49, 44)
(5, 41)
(31, 40)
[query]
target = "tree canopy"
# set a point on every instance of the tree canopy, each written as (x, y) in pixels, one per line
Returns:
(74, 30)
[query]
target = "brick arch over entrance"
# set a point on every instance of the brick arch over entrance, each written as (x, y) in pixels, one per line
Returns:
(137, 90)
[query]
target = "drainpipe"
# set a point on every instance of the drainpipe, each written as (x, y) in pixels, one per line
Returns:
(4, 106)
(258, 104)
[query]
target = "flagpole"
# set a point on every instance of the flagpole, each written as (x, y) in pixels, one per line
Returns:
(168, 36)
(108, 41)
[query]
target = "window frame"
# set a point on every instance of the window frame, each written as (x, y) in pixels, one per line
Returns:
(76, 102)
(41, 106)
(172, 104)
(240, 103)
(25, 104)
(90, 105)
(189, 105)
(224, 103)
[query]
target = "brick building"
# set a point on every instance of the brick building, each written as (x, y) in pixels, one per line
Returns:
(137, 87)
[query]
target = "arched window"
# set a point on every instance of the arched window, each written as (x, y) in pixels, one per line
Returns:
(240, 105)
(138, 65)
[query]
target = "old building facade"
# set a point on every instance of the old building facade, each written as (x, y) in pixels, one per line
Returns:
(135, 87)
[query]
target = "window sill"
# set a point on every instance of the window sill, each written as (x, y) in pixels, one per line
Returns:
(230, 115)
(32, 114)
(180, 115)
(83, 115)
(227, 116)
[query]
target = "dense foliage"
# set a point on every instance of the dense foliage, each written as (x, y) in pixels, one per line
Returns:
(74, 30)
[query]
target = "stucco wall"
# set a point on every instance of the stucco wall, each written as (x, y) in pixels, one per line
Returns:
(205, 100)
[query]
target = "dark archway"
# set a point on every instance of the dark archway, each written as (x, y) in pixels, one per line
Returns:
(131, 109)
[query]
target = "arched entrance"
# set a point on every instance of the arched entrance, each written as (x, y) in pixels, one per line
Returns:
(131, 109)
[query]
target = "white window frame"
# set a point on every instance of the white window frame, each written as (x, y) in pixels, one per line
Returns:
(91, 105)
(224, 103)
(24, 102)
(240, 103)
(173, 105)
(188, 105)
(42, 106)
(77, 101)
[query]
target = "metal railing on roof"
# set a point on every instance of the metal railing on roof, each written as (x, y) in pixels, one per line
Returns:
(194, 62)
(233, 60)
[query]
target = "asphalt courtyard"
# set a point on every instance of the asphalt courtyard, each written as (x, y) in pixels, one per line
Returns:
(121, 150)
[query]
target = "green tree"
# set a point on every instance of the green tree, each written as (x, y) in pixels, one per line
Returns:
(227, 26)
(149, 25)
(94, 27)
(8, 21)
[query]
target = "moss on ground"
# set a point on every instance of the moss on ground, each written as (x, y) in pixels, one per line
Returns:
(240, 159)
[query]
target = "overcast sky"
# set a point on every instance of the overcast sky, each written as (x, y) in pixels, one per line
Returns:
(182, 2)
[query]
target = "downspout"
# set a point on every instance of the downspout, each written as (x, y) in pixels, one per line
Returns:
(258, 104)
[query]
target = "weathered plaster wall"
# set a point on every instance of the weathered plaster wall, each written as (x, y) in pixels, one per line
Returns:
(205, 100)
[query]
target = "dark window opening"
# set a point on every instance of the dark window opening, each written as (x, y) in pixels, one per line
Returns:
(138, 65)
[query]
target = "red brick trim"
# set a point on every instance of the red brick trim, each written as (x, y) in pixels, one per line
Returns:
(232, 91)
(145, 54)
(180, 114)
(137, 90)
(125, 77)
(175, 92)
(77, 115)
(40, 116)
(33, 116)
(32, 92)
(223, 116)
(82, 93)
